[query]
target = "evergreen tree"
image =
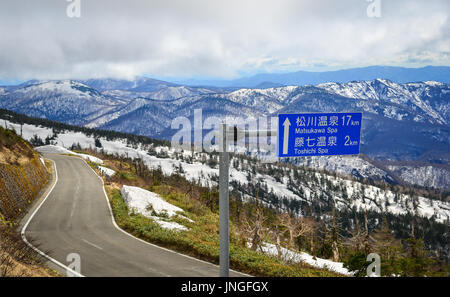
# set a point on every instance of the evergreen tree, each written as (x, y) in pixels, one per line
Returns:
(98, 143)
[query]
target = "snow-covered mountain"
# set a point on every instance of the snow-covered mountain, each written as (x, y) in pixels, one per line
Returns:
(164, 94)
(428, 101)
(139, 84)
(67, 101)
(264, 100)
(171, 93)
(401, 121)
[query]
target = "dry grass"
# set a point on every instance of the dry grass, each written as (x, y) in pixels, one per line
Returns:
(13, 149)
(17, 259)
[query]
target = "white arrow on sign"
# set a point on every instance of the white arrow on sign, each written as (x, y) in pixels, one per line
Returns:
(286, 125)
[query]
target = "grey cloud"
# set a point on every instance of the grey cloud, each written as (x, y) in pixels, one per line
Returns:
(215, 38)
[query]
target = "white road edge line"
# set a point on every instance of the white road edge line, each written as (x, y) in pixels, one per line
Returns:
(141, 240)
(22, 233)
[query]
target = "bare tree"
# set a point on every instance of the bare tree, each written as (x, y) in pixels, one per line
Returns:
(367, 245)
(358, 237)
(278, 238)
(253, 228)
(295, 227)
(335, 236)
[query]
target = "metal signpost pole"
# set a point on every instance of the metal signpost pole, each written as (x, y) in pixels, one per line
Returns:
(224, 200)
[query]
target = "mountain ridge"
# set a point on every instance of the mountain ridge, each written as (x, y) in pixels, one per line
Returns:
(414, 115)
(301, 78)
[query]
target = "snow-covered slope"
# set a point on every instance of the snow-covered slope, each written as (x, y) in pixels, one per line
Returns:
(347, 165)
(107, 118)
(264, 100)
(349, 194)
(429, 99)
(426, 176)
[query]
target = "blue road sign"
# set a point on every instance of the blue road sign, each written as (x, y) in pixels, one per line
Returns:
(319, 134)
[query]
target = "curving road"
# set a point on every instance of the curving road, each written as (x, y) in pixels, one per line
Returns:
(75, 218)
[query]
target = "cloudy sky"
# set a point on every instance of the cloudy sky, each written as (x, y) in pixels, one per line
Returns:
(216, 38)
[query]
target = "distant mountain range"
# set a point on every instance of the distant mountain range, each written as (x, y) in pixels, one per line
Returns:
(402, 121)
(301, 78)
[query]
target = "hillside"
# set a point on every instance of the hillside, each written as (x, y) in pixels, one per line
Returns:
(302, 191)
(22, 175)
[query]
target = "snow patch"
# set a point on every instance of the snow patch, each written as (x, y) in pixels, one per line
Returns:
(106, 171)
(147, 203)
(289, 255)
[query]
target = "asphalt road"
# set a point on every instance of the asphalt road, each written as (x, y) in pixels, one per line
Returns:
(75, 218)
